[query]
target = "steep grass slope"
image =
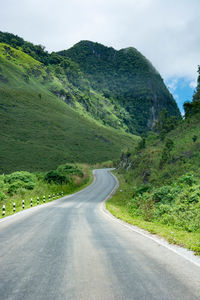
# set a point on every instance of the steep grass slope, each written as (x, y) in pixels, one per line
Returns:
(39, 130)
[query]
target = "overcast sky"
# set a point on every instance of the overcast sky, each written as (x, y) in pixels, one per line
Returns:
(167, 32)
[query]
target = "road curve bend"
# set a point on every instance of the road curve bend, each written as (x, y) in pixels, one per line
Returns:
(69, 249)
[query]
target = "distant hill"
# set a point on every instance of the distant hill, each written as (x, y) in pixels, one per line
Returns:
(39, 129)
(126, 77)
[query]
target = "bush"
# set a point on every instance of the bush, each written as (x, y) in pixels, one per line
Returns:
(70, 170)
(30, 185)
(55, 177)
(23, 176)
(164, 194)
(1, 182)
(147, 207)
(188, 179)
(142, 189)
(15, 186)
(2, 195)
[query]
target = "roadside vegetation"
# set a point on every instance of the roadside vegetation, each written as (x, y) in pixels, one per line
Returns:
(172, 211)
(23, 185)
(160, 179)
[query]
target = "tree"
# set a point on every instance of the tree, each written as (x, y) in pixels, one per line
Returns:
(166, 154)
(193, 107)
(165, 124)
(194, 138)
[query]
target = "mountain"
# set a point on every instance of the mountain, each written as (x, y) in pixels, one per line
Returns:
(40, 128)
(72, 86)
(126, 78)
(81, 104)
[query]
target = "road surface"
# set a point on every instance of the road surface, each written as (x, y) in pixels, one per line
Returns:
(69, 249)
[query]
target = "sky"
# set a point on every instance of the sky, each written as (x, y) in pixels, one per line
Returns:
(167, 32)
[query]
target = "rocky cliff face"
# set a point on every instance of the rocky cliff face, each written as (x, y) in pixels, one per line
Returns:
(126, 77)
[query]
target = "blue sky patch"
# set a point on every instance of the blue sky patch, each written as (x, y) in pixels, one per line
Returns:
(182, 90)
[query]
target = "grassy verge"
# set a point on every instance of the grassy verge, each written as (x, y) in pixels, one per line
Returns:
(118, 205)
(42, 189)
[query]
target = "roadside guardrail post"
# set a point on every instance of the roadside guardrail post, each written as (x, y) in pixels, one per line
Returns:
(14, 207)
(4, 210)
(43, 198)
(37, 200)
(23, 204)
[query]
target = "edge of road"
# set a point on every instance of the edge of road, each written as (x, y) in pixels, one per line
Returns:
(183, 252)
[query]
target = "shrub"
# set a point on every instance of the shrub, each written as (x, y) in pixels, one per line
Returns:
(30, 185)
(1, 182)
(142, 189)
(55, 177)
(23, 176)
(2, 195)
(188, 179)
(15, 186)
(194, 138)
(68, 169)
(164, 194)
(147, 207)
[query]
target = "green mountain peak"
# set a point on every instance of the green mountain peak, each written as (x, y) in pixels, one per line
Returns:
(126, 77)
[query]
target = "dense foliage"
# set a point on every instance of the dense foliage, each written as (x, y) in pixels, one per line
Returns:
(160, 179)
(127, 77)
(176, 205)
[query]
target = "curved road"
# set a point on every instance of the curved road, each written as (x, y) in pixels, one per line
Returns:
(69, 249)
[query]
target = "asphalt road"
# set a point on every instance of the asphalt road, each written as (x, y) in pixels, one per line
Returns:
(69, 249)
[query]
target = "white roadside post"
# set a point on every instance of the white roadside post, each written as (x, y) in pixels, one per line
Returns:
(49, 197)
(14, 207)
(4, 210)
(37, 200)
(23, 204)
(31, 202)
(44, 199)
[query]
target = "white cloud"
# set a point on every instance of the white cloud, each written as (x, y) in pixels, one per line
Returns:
(172, 84)
(193, 84)
(165, 31)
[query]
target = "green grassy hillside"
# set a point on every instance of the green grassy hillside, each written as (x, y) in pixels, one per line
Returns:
(39, 130)
(160, 180)
(160, 185)
(163, 161)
